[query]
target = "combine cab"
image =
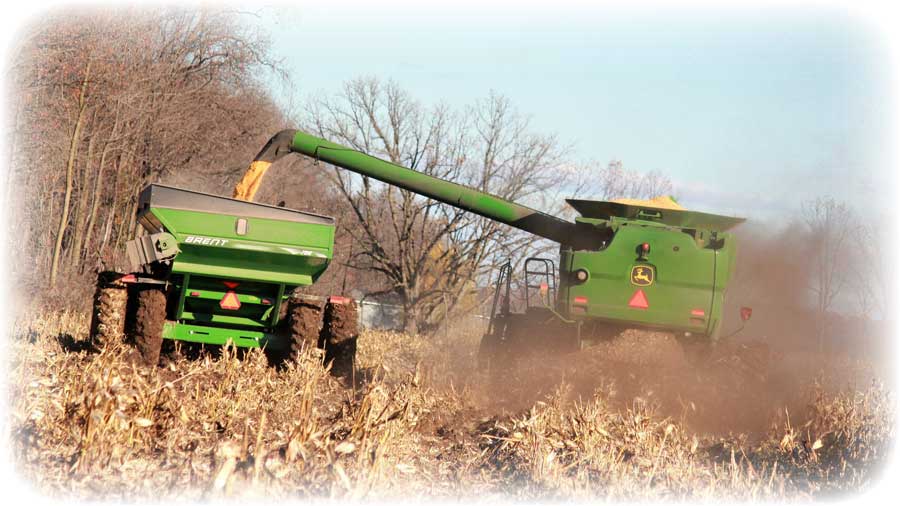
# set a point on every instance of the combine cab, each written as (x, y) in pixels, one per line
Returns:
(216, 270)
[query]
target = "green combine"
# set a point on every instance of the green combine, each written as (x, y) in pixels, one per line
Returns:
(222, 270)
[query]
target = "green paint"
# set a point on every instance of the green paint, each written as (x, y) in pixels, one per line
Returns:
(271, 258)
(691, 252)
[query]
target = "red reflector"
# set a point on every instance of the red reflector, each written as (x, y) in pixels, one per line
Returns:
(230, 301)
(646, 247)
(128, 278)
(698, 312)
(195, 294)
(231, 285)
(336, 299)
(580, 300)
(639, 300)
(746, 313)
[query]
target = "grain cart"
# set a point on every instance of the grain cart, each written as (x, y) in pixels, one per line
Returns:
(215, 270)
(621, 265)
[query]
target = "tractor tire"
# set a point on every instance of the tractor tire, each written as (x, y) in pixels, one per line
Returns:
(304, 320)
(339, 334)
(147, 325)
(108, 316)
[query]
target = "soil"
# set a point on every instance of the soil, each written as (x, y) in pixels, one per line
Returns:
(147, 327)
(305, 323)
(339, 335)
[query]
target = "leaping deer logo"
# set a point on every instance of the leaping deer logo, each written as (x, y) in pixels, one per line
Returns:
(642, 275)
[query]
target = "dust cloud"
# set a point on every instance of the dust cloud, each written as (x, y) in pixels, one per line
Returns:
(768, 371)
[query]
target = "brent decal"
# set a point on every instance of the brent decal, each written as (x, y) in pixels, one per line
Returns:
(205, 241)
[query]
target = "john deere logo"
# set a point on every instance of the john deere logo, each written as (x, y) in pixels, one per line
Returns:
(642, 275)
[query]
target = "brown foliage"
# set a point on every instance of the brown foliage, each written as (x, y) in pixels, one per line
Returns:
(108, 101)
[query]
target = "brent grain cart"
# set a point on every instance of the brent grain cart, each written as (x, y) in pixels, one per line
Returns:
(621, 265)
(215, 270)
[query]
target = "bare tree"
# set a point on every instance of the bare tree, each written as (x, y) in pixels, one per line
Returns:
(108, 101)
(830, 224)
(872, 269)
(430, 254)
(615, 181)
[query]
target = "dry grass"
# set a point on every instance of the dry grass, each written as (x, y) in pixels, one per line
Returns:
(423, 423)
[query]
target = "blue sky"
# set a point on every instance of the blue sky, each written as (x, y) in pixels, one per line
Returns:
(748, 111)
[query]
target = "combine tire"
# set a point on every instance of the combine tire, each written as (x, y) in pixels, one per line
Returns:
(108, 316)
(149, 318)
(488, 351)
(339, 335)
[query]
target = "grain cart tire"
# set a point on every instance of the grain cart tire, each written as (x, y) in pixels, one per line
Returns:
(147, 325)
(108, 315)
(305, 320)
(339, 335)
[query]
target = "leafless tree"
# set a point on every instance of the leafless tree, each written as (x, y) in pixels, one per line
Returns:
(615, 181)
(433, 255)
(872, 270)
(107, 101)
(830, 224)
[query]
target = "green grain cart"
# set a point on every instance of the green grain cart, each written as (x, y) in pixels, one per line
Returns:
(215, 270)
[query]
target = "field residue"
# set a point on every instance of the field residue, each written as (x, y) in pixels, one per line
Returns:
(422, 421)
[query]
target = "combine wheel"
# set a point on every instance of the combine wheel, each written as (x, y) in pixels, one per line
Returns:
(339, 336)
(108, 316)
(488, 351)
(147, 325)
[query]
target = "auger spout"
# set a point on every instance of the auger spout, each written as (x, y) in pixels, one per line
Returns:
(454, 194)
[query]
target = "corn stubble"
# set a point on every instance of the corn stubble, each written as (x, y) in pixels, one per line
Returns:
(421, 421)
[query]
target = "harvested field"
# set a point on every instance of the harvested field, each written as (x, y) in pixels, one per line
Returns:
(421, 421)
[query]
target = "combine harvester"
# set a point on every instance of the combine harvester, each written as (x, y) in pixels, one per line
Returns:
(215, 270)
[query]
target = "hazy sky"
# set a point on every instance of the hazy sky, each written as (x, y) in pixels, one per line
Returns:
(749, 112)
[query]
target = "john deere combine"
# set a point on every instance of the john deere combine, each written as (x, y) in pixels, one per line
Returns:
(223, 269)
(644, 264)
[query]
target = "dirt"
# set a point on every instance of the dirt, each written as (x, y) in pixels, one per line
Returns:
(149, 318)
(739, 386)
(305, 323)
(339, 334)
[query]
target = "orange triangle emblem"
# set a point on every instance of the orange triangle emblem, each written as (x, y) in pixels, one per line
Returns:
(230, 301)
(639, 300)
